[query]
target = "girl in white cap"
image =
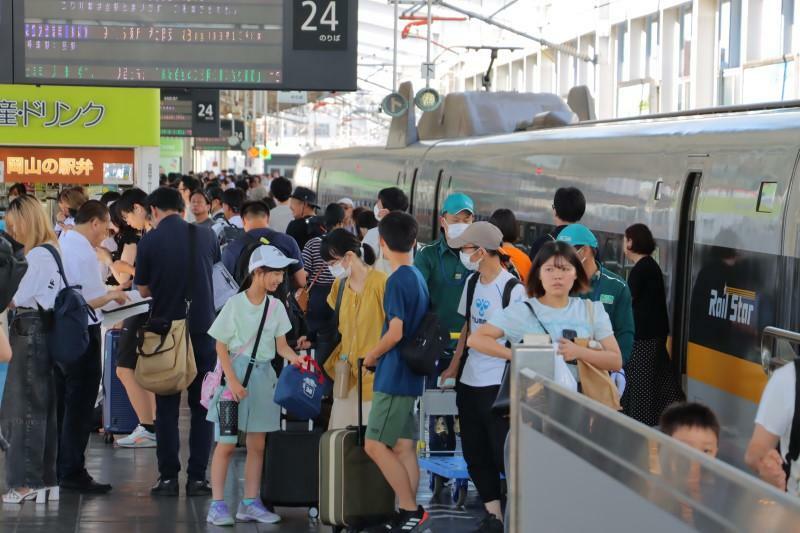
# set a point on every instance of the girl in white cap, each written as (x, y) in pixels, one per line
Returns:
(236, 330)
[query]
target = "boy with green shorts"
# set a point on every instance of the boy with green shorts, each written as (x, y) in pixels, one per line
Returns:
(390, 440)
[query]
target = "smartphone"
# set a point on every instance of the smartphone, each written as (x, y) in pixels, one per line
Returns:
(569, 335)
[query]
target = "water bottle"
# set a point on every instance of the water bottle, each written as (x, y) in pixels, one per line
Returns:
(228, 410)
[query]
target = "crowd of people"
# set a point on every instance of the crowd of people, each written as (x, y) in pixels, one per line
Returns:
(301, 265)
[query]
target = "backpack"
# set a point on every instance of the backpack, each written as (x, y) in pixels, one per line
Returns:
(228, 234)
(426, 346)
(68, 337)
(793, 453)
(472, 283)
(12, 268)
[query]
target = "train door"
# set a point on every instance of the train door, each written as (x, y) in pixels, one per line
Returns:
(444, 186)
(683, 262)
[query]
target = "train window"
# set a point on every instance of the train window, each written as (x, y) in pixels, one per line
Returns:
(766, 197)
(659, 184)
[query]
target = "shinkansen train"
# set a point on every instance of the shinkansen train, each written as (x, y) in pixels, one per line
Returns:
(718, 189)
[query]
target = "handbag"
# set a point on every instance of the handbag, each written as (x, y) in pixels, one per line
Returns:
(214, 379)
(166, 363)
(328, 336)
(227, 406)
(595, 383)
(300, 390)
(304, 294)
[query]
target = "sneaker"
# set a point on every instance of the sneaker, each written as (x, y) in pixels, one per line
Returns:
(256, 512)
(490, 524)
(140, 438)
(219, 514)
(407, 521)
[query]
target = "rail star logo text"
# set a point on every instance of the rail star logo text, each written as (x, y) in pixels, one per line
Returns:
(734, 305)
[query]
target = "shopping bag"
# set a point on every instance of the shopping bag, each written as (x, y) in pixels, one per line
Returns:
(300, 390)
(562, 374)
(598, 385)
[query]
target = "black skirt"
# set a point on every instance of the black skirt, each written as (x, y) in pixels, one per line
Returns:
(650, 385)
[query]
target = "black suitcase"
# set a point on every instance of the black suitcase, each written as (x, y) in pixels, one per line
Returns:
(353, 493)
(291, 474)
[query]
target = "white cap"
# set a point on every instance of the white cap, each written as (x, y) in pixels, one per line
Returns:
(346, 201)
(270, 257)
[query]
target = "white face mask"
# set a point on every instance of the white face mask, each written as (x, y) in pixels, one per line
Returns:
(377, 209)
(338, 271)
(455, 231)
(466, 260)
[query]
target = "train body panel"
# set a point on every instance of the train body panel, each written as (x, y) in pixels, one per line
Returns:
(717, 192)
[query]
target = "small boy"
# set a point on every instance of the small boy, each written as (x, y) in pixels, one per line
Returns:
(693, 424)
(390, 438)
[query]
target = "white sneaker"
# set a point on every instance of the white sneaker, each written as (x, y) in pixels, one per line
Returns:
(140, 438)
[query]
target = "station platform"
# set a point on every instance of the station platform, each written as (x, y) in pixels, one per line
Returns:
(130, 508)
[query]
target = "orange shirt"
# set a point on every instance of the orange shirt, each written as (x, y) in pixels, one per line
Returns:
(519, 259)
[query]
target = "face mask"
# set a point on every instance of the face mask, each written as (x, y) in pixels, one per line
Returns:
(377, 211)
(455, 231)
(466, 260)
(338, 271)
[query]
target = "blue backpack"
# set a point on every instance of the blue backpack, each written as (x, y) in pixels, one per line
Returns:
(68, 338)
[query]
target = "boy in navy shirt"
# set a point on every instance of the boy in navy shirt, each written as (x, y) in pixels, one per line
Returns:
(390, 435)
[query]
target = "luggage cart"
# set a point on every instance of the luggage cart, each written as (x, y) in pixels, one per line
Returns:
(442, 402)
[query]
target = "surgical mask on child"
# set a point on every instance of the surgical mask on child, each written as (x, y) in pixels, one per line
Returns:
(338, 271)
(455, 231)
(466, 260)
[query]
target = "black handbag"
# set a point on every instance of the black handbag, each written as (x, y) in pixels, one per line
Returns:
(328, 337)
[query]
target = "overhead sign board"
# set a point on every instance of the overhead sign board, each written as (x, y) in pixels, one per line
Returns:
(231, 137)
(189, 113)
(78, 116)
(255, 44)
(67, 165)
(293, 97)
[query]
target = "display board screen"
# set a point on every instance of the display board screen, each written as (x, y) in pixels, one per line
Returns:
(189, 113)
(6, 49)
(186, 43)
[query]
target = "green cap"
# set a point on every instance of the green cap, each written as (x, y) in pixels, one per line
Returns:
(578, 235)
(457, 202)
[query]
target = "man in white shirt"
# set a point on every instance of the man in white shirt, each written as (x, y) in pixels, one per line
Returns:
(389, 200)
(776, 411)
(281, 216)
(78, 383)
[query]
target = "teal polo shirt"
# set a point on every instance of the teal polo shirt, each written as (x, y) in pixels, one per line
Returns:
(445, 276)
(612, 291)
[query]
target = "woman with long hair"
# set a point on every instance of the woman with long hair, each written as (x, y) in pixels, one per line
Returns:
(28, 411)
(361, 317)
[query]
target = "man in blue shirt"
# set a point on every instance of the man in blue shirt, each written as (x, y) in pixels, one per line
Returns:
(256, 225)
(162, 270)
(390, 430)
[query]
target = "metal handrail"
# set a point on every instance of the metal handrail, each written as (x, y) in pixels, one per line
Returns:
(771, 335)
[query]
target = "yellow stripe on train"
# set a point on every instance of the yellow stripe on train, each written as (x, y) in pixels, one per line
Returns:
(726, 372)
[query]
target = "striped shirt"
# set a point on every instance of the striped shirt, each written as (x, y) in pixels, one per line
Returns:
(313, 263)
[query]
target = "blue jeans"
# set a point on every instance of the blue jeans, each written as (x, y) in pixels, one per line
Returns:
(77, 385)
(201, 432)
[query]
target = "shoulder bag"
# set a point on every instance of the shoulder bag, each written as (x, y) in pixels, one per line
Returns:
(595, 383)
(166, 363)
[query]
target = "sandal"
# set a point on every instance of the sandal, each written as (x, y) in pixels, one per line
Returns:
(13, 496)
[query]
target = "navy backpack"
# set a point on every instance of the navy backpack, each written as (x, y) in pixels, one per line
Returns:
(68, 338)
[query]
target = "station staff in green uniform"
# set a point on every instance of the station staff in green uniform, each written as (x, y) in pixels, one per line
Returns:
(607, 287)
(445, 276)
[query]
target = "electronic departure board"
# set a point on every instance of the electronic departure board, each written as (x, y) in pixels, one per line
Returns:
(275, 44)
(190, 113)
(6, 50)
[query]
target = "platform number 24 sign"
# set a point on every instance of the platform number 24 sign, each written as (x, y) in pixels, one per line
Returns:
(320, 24)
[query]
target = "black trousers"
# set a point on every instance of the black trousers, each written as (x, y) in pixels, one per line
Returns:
(483, 436)
(77, 386)
(201, 432)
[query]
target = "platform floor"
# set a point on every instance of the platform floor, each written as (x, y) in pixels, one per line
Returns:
(130, 508)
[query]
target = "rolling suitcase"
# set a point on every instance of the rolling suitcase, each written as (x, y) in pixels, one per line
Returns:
(118, 414)
(353, 493)
(291, 476)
